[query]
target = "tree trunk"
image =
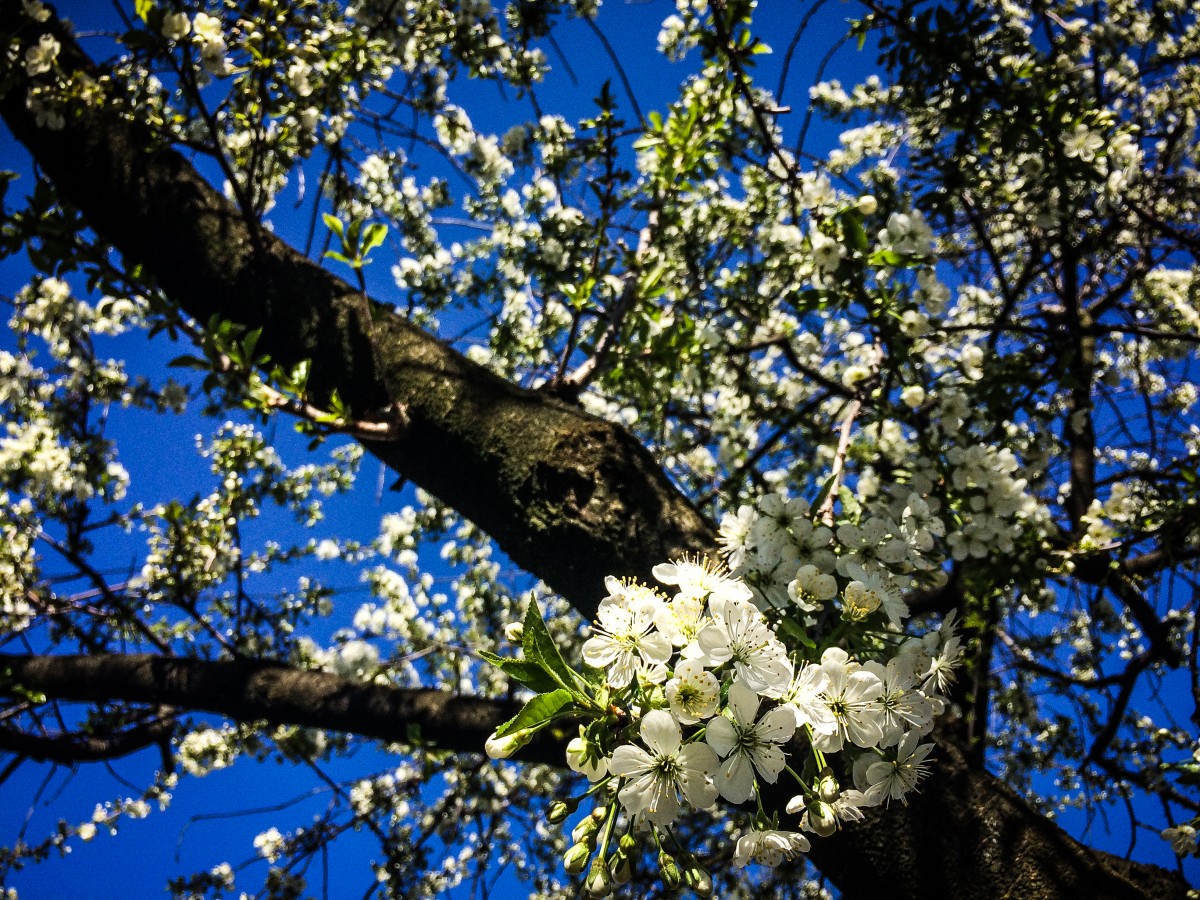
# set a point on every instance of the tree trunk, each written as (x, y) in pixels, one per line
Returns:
(569, 497)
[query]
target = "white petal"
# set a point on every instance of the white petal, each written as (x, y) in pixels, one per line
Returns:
(714, 642)
(663, 808)
(599, 651)
(667, 573)
(629, 760)
(638, 794)
(735, 781)
(699, 765)
(661, 732)
(655, 647)
(743, 703)
(769, 761)
(721, 735)
(777, 726)
(620, 670)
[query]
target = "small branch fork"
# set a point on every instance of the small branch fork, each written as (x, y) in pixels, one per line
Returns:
(389, 426)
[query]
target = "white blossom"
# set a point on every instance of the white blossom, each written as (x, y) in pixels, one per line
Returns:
(655, 778)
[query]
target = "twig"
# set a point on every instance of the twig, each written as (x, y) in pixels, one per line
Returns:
(825, 513)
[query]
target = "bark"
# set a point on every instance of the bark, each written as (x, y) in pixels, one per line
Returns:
(570, 498)
(247, 690)
(539, 475)
(968, 836)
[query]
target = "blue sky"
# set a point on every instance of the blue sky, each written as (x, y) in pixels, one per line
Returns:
(214, 819)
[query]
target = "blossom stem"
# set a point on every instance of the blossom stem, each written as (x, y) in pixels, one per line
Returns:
(608, 828)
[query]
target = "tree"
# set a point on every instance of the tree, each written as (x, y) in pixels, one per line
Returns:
(967, 333)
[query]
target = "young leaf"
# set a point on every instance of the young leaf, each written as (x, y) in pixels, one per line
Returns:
(373, 237)
(528, 673)
(333, 223)
(540, 647)
(537, 713)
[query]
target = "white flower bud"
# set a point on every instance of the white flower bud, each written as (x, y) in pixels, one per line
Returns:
(599, 882)
(176, 26)
(504, 747)
(585, 831)
(699, 881)
(822, 819)
(912, 396)
(576, 858)
(828, 788)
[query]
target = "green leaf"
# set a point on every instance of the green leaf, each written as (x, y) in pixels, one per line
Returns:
(824, 492)
(142, 8)
(528, 673)
(537, 713)
(540, 647)
(856, 235)
(333, 223)
(373, 237)
(787, 626)
(886, 258)
(188, 361)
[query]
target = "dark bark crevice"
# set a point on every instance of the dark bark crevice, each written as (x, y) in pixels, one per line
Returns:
(968, 836)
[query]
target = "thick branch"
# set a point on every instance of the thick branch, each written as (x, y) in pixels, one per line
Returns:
(249, 690)
(970, 836)
(569, 497)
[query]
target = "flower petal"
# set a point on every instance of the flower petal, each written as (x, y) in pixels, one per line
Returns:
(776, 725)
(743, 703)
(629, 760)
(721, 735)
(735, 781)
(661, 732)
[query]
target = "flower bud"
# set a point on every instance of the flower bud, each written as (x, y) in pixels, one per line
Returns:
(515, 632)
(621, 868)
(576, 859)
(828, 788)
(671, 875)
(628, 844)
(822, 819)
(560, 809)
(504, 747)
(584, 756)
(698, 880)
(585, 831)
(599, 882)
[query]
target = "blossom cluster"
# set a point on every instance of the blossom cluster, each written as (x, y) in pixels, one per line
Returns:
(704, 688)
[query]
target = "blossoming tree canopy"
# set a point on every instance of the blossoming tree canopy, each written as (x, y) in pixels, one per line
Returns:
(795, 440)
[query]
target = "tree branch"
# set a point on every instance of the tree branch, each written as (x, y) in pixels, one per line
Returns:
(569, 497)
(77, 747)
(249, 690)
